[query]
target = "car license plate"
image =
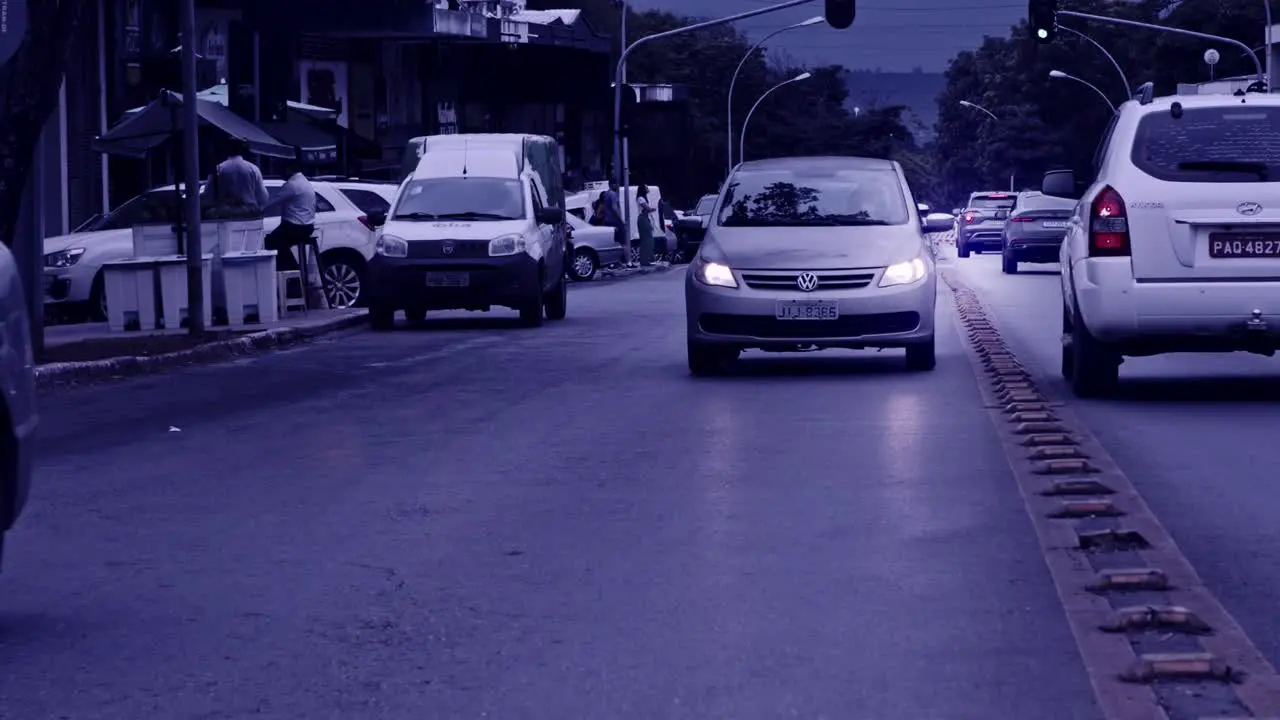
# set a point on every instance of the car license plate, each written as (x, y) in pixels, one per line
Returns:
(448, 279)
(1054, 223)
(1244, 245)
(808, 310)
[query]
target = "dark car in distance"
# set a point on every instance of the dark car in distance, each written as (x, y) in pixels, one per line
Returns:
(981, 225)
(1035, 229)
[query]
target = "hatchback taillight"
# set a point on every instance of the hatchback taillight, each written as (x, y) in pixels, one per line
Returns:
(364, 220)
(1021, 219)
(1108, 225)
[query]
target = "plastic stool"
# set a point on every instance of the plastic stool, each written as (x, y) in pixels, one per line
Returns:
(282, 291)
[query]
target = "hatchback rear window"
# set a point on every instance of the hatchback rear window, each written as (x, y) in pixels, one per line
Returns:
(1239, 143)
(1002, 202)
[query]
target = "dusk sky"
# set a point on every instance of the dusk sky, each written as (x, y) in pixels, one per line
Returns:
(893, 35)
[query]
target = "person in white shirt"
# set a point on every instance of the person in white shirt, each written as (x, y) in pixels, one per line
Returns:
(237, 183)
(297, 202)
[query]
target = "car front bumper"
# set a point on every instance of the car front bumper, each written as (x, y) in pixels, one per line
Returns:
(403, 283)
(870, 317)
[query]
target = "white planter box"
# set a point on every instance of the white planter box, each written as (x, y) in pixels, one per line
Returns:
(241, 235)
(251, 287)
(130, 286)
(154, 241)
(173, 289)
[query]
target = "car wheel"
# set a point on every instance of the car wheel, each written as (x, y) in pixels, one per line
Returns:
(584, 265)
(962, 249)
(557, 301)
(1095, 366)
(922, 356)
(343, 280)
(1008, 265)
(416, 316)
(706, 359)
(1068, 362)
(98, 299)
(382, 317)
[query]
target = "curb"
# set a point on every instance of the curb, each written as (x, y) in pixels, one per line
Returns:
(58, 374)
(616, 276)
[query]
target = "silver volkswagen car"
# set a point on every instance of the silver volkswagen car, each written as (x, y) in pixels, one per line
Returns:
(812, 253)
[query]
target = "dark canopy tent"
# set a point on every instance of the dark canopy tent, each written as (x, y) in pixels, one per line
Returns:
(137, 135)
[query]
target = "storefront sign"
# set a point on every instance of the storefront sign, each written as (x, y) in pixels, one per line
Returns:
(13, 27)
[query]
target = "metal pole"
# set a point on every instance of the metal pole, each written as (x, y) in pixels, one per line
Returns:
(1128, 89)
(1058, 74)
(728, 122)
(742, 139)
(1266, 6)
(618, 72)
(619, 150)
(191, 155)
(1011, 186)
(1177, 31)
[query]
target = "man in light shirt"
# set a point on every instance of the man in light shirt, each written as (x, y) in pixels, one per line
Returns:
(297, 202)
(237, 183)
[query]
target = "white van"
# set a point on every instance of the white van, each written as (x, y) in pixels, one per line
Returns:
(469, 229)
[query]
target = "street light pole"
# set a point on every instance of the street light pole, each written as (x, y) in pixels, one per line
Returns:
(1059, 75)
(191, 172)
(742, 140)
(976, 106)
(728, 122)
(1128, 89)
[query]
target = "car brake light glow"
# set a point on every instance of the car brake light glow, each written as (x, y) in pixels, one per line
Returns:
(1108, 225)
(970, 216)
(1021, 219)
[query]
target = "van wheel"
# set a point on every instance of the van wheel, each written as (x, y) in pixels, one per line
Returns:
(531, 312)
(557, 301)
(1095, 365)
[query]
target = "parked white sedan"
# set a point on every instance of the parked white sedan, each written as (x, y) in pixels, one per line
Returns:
(73, 263)
(593, 248)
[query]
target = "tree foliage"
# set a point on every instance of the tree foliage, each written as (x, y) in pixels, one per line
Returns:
(1046, 124)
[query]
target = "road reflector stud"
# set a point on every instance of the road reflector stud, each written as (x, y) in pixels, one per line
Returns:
(1081, 486)
(1012, 408)
(1151, 667)
(1129, 579)
(1049, 439)
(1016, 386)
(1161, 617)
(1064, 467)
(1038, 428)
(1113, 541)
(1038, 416)
(1086, 508)
(1057, 453)
(1022, 397)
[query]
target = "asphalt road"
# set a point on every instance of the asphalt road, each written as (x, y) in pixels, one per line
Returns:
(1196, 434)
(477, 520)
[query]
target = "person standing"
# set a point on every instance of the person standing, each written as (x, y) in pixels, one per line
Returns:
(644, 223)
(237, 183)
(613, 218)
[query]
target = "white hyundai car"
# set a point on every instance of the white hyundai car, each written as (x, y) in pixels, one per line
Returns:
(1175, 244)
(73, 263)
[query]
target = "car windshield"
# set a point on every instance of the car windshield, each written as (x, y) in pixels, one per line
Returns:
(705, 205)
(461, 198)
(991, 202)
(1239, 143)
(791, 198)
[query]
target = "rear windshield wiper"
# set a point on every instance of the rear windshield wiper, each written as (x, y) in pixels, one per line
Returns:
(1236, 166)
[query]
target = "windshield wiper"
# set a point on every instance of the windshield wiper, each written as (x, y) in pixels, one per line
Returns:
(1236, 166)
(474, 216)
(415, 216)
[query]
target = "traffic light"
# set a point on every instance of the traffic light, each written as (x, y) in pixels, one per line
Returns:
(630, 103)
(1043, 16)
(840, 13)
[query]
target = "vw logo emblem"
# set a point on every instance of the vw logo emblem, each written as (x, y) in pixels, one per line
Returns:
(447, 247)
(1248, 208)
(807, 281)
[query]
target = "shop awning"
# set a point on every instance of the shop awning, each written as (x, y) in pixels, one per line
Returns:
(140, 132)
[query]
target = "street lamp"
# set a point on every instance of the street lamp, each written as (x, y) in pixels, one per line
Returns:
(1059, 75)
(815, 20)
(991, 115)
(1128, 89)
(742, 141)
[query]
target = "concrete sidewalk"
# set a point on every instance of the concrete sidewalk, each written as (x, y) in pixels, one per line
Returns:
(91, 351)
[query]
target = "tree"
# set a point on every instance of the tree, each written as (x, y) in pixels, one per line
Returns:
(29, 85)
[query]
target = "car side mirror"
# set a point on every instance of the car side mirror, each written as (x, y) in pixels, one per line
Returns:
(937, 224)
(1060, 183)
(550, 216)
(377, 218)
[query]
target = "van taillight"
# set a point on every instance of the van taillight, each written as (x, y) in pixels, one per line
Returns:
(1108, 225)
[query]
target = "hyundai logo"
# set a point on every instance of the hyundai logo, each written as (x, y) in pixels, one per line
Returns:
(1249, 208)
(807, 281)
(447, 247)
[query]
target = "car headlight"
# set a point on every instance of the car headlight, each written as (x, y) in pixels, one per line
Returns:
(508, 245)
(391, 246)
(63, 258)
(903, 273)
(714, 273)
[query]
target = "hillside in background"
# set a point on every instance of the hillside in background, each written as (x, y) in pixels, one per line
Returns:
(917, 90)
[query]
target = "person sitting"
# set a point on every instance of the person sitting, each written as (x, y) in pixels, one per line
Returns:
(297, 202)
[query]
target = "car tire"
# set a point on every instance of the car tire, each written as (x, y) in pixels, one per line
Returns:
(1008, 265)
(1068, 362)
(706, 360)
(584, 264)
(922, 356)
(416, 316)
(962, 249)
(344, 278)
(382, 317)
(98, 299)
(557, 301)
(1095, 366)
